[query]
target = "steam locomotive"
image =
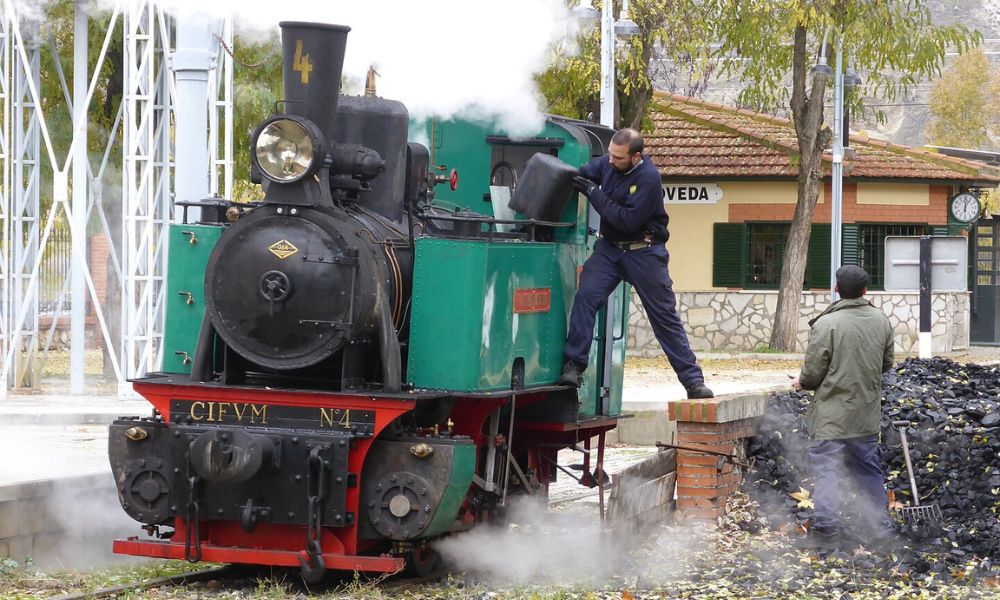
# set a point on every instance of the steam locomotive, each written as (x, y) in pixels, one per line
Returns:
(364, 361)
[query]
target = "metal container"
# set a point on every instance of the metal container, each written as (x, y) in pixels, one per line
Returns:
(544, 188)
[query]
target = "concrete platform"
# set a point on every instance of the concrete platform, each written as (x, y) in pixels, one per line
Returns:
(60, 409)
(658, 397)
(46, 436)
(58, 502)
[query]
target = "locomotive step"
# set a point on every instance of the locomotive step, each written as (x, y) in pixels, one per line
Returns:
(258, 556)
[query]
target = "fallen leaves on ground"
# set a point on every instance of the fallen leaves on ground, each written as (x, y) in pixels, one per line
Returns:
(803, 498)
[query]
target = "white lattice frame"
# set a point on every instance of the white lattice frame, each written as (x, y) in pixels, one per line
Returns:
(24, 303)
(5, 180)
(146, 185)
(25, 249)
(144, 116)
(220, 142)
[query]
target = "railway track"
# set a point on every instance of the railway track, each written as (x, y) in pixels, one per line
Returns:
(174, 580)
(394, 582)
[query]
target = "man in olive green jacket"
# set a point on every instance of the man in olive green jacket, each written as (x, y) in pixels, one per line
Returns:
(850, 346)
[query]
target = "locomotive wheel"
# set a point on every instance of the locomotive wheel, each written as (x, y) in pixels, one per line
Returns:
(426, 563)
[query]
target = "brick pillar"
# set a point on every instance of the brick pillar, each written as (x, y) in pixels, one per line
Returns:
(721, 424)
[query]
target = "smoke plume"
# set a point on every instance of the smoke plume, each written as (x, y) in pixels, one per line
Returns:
(442, 58)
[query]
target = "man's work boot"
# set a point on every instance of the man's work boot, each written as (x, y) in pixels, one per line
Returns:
(820, 541)
(571, 374)
(698, 390)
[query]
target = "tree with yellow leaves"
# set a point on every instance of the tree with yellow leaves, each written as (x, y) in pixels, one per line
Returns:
(672, 31)
(964, 113)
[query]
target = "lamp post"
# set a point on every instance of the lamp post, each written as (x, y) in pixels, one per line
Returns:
(837, 170)
(624, 27)
(837, 150)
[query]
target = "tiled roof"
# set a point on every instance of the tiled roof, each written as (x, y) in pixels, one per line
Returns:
(694, 138)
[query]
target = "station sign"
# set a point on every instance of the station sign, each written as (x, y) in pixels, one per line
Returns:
(691, 193)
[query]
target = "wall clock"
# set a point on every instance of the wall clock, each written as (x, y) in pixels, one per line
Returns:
(965, 207)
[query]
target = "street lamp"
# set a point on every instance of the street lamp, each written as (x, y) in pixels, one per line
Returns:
(851, 80)
(821, 68)
(585, 13)
(837, 151)
(625, 27)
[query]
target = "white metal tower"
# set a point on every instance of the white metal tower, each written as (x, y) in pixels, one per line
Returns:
(146, 184)
(5, 194)
(145, 122)
(220, 117)
(25, 179)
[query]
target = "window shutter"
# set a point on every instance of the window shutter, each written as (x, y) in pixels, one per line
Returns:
(728, 254)
(818, 261)
(850, 245)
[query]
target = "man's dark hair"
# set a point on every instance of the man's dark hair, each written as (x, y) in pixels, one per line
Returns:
(628, 137)
(851, 281)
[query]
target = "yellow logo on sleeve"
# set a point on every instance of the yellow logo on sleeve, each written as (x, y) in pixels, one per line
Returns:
(632, 189)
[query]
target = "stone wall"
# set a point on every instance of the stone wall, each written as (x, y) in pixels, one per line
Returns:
(64, 523)
(740, 321)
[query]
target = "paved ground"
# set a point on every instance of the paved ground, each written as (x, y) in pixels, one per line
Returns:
(652, 387)
(566, 489)
(56, 434)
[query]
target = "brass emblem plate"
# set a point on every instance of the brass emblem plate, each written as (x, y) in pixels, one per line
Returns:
(282, 249)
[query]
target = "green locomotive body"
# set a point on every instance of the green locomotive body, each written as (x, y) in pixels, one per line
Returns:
(465, 331)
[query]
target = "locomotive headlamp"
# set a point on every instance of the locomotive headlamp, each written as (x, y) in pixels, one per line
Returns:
(287, 148)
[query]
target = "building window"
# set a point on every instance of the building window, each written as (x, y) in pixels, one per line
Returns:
(750, 255)
(986, 256)
(766, 252)
(871, 248)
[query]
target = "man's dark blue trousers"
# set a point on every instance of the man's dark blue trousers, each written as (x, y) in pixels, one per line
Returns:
(646, 270)
(849, 465)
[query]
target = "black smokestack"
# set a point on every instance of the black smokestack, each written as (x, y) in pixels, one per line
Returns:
(313, 62)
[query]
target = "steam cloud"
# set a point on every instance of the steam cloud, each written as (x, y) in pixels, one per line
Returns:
(566, 548)
(536, 547)
(88, 519)
(62, 497)
(441, 58)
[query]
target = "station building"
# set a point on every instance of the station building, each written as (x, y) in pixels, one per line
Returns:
(730, 188)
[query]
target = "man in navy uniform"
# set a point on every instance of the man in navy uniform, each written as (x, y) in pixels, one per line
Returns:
(624, 187)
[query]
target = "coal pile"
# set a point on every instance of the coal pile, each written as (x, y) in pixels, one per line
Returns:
(954, 441)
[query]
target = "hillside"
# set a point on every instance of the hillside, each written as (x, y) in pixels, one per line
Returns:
(906, 118)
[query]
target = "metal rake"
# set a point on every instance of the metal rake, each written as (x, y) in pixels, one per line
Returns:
(915, 512)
